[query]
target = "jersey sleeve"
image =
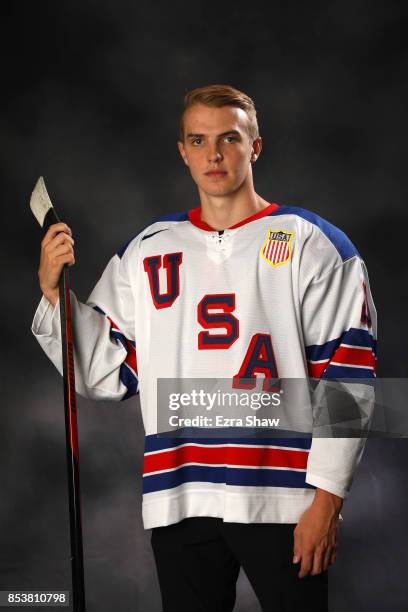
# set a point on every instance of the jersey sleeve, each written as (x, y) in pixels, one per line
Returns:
(340, 331)
(104, 341)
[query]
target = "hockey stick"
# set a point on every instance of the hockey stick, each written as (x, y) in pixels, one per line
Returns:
(45, 214)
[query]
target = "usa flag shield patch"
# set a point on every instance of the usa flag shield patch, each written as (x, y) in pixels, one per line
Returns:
(277, 248)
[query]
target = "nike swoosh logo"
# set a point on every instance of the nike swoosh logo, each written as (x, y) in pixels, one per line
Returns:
(150, 235)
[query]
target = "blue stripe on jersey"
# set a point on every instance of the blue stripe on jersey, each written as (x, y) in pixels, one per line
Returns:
(157, 442)
(344, 372)
(359, 337)
(317, 352)
(188, 473)
(267, 478)
(353, 336)
(99, 310)
(120, 337)
(129, 380)
(177, 216)
(340, 241)
(227, 475)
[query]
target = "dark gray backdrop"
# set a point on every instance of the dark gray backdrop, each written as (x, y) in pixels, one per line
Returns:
(91, 95)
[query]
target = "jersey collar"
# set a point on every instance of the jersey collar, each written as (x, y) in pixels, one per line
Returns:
(194, 215)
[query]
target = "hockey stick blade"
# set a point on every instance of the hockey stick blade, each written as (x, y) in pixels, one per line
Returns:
(41, 206)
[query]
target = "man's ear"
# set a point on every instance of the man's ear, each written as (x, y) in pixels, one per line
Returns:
(182, 151)
(256, 149)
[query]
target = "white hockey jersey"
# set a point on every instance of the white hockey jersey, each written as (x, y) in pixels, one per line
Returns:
(283, 293)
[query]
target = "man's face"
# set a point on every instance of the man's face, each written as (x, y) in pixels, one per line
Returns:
(217, 148)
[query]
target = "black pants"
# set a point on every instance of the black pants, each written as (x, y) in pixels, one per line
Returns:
(198, 562)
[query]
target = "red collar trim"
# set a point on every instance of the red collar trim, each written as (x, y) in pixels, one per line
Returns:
(194, 215)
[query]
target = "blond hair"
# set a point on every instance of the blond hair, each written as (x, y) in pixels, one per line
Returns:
(218, 96)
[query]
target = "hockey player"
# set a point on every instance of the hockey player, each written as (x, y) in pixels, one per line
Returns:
(237, 288)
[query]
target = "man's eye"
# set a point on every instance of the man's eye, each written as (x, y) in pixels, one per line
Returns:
(230, 139)
(197, 141)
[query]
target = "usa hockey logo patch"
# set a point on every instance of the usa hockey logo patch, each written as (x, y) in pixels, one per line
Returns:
(277, 247)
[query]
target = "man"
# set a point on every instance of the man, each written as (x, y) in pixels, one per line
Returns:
(241, 289)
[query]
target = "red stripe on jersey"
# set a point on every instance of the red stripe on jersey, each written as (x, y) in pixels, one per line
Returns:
(113, 324)
(194, 215)
(354, 356)
(257, 457)
(131, 358)
(316, 370)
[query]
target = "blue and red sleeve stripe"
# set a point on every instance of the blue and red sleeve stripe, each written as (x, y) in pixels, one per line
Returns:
(128, 370)
(352, 355)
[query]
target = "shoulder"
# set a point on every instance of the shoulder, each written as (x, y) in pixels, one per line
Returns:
(320, 228)
(159, 224)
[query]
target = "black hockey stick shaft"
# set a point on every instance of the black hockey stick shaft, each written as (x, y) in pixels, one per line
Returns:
(71, 430)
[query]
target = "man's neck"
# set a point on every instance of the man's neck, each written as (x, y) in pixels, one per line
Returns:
(221, 212)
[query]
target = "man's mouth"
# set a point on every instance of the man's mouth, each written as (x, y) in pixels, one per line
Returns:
(216, 173)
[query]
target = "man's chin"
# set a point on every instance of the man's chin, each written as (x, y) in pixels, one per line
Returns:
(218, 190)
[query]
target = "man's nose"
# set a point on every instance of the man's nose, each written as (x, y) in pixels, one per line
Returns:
(214, 153)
